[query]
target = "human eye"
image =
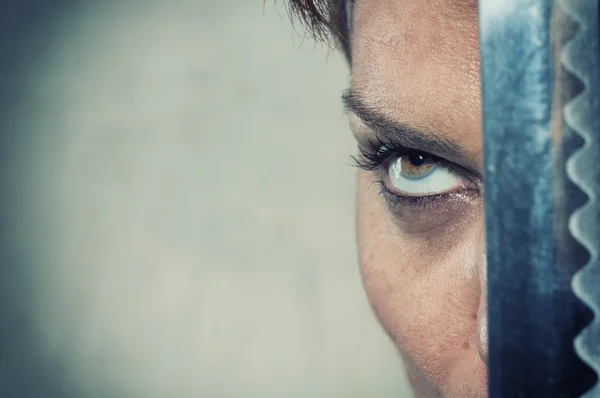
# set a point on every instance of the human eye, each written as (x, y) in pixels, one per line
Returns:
(420, 174)
(410, 177)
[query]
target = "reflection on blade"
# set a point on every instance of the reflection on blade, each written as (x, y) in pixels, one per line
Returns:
(582, 114)
(533, 313)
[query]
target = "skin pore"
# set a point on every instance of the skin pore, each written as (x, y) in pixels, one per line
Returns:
(414, 109)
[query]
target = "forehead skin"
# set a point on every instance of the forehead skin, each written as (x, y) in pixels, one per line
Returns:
(417, 62)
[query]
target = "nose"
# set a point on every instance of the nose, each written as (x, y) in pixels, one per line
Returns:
(482, 317)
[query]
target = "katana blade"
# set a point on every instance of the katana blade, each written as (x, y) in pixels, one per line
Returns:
(535, 237)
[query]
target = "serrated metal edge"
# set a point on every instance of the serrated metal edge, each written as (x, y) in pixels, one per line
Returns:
(577, 57)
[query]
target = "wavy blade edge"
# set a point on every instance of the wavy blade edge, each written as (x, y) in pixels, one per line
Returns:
(580, 57)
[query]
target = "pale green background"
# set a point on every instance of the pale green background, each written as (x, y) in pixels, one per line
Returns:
(183, 215)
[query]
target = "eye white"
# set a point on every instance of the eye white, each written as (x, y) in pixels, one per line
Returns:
(438, 180)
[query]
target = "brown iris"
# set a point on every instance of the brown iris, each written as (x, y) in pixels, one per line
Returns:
(414, 166)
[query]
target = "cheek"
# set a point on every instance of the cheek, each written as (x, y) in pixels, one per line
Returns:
(423, 288)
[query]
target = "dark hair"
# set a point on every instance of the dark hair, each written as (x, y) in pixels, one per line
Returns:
(326, 19)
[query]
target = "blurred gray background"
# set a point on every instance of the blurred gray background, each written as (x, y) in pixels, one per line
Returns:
(177, 214)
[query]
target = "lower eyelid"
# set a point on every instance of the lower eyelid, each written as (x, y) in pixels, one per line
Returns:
(433, 216)
(408, 201)
(397, 201)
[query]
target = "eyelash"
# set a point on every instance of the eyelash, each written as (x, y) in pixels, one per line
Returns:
(376, 156)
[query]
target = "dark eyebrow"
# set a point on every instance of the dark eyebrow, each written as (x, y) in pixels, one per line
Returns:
(387, 130)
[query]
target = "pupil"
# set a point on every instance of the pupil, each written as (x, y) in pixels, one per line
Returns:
(417, 159)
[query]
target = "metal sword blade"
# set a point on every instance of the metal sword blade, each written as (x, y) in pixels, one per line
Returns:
(581, 57)
(533, 313)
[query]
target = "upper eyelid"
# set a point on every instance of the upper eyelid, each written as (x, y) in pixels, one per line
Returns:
(381, 126)
(375, 155)
(369, 123)
(370, 142)
(371, 161)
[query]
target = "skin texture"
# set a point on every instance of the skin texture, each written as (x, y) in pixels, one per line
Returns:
(417, 63)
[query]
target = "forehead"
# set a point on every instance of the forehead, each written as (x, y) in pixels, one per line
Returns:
(418, 62)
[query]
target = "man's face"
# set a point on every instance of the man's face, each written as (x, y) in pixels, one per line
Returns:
(415, 86)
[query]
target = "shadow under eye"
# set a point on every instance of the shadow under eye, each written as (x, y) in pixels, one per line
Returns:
(420, 214)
